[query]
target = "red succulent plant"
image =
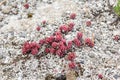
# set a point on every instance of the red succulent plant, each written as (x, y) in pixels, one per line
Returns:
(71, 65)
(58, 38)
(57, 33)
(32, 47)
(100, 76)
(59, 53)
(70, 26)
(52, 50)
(72, 15)
(64, 28)
(63, 48)
(42, 41)
(69, 45)
(71, 56)
(79, 35)
(34, 51)
(64, 41)
(77, 42)
(54, 44)
(116, 37)
(44, 22)
(89, 42)
(47, 50)
(26, 5)
(88, 23)
(49, 40)
(26, 48)
(38, 28)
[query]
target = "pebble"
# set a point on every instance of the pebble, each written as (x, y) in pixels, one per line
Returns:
(116, 76)
(1, 54)
(91, 55)
(1, 17)
(116, 32)
(70, 75)
(6, 9)
(78, 78)
(61, 77)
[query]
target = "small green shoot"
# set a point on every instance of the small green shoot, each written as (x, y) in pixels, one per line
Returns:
(117, 8)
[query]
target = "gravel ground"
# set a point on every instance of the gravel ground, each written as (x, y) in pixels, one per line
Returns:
(16, 28)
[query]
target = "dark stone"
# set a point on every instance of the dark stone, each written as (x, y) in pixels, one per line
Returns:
(61, 77)
(116, 76)
(49, 77)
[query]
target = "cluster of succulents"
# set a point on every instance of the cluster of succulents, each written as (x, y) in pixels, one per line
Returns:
(30, 47)
(56, 44)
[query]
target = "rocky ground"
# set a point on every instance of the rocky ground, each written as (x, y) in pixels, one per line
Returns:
(18, 24)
